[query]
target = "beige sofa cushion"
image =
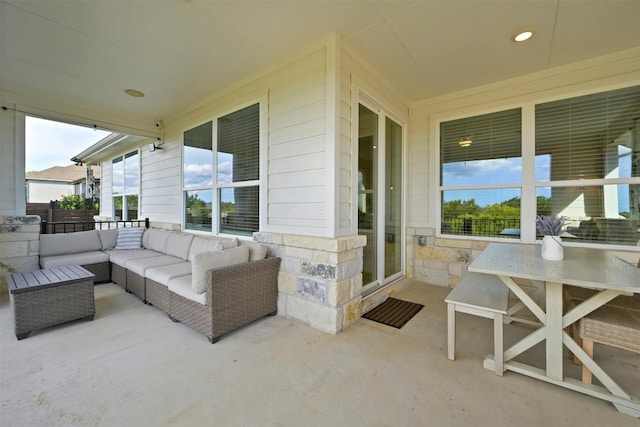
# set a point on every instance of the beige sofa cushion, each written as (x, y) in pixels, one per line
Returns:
(121, 257)
(158, 240)
(202, 244)
(182, 286)
(165, 273)
(139, 266)
(205, 261)
(108, 238)
(178, 245)
(81, 258)
(257, 251)
(69, 243)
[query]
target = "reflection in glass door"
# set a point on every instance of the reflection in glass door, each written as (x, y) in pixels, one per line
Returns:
(367, 190)
(380, 197)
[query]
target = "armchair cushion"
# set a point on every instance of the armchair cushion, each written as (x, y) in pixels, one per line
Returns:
(203, 262)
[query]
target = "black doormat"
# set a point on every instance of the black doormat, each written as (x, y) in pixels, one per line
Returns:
(393, 312)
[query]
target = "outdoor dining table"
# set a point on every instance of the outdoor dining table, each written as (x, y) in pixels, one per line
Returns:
(585, 267)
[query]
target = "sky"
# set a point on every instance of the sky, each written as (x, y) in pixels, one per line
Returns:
(508, 171)
(49, 143)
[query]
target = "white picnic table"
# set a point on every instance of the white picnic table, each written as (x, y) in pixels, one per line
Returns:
(585, 267)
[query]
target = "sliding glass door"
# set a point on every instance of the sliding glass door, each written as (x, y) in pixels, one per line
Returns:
(380, 210)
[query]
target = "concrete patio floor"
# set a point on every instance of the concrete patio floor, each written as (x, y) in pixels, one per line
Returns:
(132, 366)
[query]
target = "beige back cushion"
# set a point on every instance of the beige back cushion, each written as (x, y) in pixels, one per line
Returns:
(204, 244)
(108, 238)
(257, 251)
(158, 239)
(202, 262)
(178, 245)
(69, 243)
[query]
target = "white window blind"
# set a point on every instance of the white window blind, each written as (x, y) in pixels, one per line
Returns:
(592, 173)
(481, 182)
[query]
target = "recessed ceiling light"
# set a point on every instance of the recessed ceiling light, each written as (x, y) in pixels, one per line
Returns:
(134, 93)
(522, 36)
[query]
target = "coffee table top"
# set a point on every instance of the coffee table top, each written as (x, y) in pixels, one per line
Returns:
(48, 277)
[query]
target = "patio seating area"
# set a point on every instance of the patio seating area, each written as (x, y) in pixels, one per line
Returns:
(132, 367)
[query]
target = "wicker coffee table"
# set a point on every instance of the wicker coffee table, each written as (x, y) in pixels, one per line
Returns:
(48, 297)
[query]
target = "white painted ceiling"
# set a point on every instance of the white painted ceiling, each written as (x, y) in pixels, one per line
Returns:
(85, 53)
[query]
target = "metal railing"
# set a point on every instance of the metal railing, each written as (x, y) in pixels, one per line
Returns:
(480, 226)
(47, 227)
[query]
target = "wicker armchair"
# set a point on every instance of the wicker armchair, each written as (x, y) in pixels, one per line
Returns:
(236, 295)
(615, 324)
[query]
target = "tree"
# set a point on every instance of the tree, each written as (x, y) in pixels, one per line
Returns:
(459, 208)
(543, 205)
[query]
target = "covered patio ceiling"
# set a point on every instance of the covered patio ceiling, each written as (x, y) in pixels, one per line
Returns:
(85, 54)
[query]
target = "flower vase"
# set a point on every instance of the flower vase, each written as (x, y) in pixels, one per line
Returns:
(552, 248)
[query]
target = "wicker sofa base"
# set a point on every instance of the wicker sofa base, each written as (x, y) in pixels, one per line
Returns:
(236, 295)
(157, 295)
(119, 275)
(101, 270)
(135, 285)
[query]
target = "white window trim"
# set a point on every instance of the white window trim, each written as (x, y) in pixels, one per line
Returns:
(529, 185)
(262, 101)
(124, 192)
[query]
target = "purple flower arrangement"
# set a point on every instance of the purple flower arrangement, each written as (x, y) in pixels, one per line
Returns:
(548, 225)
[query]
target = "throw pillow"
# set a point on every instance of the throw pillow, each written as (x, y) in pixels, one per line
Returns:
(129, 238)
(205, 261)
(221, 245)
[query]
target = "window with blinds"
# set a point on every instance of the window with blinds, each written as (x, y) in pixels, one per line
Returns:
(585, 167)
(238, 171)
(481, 174)
(230, 191)
(591, 172)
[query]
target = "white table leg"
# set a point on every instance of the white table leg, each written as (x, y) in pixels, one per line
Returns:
(451, 332)
(554, 329)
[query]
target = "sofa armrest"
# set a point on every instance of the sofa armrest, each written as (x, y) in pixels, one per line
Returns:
(250, 287)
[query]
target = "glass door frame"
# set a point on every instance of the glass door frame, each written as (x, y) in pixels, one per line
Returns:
(382, 115)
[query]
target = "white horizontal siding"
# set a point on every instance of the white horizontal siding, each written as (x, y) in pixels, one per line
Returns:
(297, 115)
(106, 183)
(11, 180)
(301, 147)
(161, 189)
(310, 161)
(297, 148)
(296, 179)
(291, 133)
(302, 194)
(345, 208)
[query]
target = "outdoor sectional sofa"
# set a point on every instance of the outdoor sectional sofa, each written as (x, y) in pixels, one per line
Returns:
(211, 284)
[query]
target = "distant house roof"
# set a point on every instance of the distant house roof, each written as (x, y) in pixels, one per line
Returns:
(69, 174)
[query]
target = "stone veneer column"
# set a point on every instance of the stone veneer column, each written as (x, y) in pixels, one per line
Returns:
(19, 245)
(440, 261)
(320, 278)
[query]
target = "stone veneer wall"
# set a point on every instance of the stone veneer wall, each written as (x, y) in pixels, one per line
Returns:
(440, 261)
(320, 278)
(19, 245)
